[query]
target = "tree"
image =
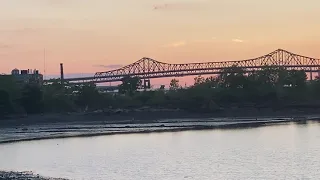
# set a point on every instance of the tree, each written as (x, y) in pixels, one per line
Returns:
(232, 77)
(315, 88)
(297, 85)
(199, 80)
(269, 87)
(297, 79)
(174, 84)
(32, 99)
(158, 99)
(88, 96)
(8, 84)
(6, 106)
(130, 85)
(59, 97)
(162, 87)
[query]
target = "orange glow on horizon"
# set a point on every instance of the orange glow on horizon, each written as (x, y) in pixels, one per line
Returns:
(100, 33)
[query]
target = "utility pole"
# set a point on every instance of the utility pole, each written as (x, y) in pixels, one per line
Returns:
(44, 63)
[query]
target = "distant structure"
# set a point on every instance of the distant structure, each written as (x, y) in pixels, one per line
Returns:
(27, 76)
(147, 68)
(61, 73)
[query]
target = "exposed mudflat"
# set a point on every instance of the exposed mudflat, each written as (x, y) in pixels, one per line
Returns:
(65, 126)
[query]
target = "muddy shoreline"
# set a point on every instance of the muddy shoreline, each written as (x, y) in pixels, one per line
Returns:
(65, 125)
(53, 126)
(151, 115)
(192, 128)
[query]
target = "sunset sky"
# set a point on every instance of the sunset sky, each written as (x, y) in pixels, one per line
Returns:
(96, 35)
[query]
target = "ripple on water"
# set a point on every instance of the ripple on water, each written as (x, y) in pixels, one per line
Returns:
(272, 152)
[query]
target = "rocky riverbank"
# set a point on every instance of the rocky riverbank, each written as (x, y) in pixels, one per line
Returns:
(23, 176)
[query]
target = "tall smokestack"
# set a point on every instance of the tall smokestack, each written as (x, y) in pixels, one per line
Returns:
(61, 73)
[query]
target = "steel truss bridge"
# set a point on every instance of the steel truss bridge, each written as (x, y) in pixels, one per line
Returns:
(147, 68)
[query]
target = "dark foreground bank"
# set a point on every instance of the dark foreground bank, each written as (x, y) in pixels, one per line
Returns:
(133, 116)
(23, 176)
(97, 124)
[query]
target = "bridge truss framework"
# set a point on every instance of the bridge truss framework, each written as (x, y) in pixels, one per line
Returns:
(147, 68)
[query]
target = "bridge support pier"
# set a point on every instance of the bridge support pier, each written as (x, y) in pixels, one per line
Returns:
(311, 78)
(146, 84)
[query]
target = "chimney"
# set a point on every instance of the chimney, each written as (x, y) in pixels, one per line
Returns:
(61, 73)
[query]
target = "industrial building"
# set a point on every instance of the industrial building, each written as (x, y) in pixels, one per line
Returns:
(26, 76)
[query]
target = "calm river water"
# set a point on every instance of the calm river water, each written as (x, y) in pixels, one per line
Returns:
(290, 151)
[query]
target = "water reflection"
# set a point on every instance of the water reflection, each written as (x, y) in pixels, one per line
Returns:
(289, 151)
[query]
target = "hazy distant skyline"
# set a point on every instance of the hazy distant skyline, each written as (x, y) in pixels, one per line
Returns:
(96, 35)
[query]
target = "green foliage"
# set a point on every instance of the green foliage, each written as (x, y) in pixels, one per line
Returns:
(199, 80)
(130, 85)
(6, 106)
(32, 99)
(174, 84)
(8, 84)
(88, 95)
(269, 87)
(58, 98)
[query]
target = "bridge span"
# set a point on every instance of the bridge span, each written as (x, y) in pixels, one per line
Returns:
(147, 68)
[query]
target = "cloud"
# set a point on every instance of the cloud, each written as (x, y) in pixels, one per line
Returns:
(200, 4)
(158, 7)
(176, 44)
(205, 40)
(237, 40)
(21, 30)
(4, 46)
(184, 43)
(59, 2)
(111, 66)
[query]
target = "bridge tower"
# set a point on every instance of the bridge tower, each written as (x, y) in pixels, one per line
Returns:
(146, 84)
(146, 69)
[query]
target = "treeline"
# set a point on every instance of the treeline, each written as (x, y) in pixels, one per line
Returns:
(270, 87)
